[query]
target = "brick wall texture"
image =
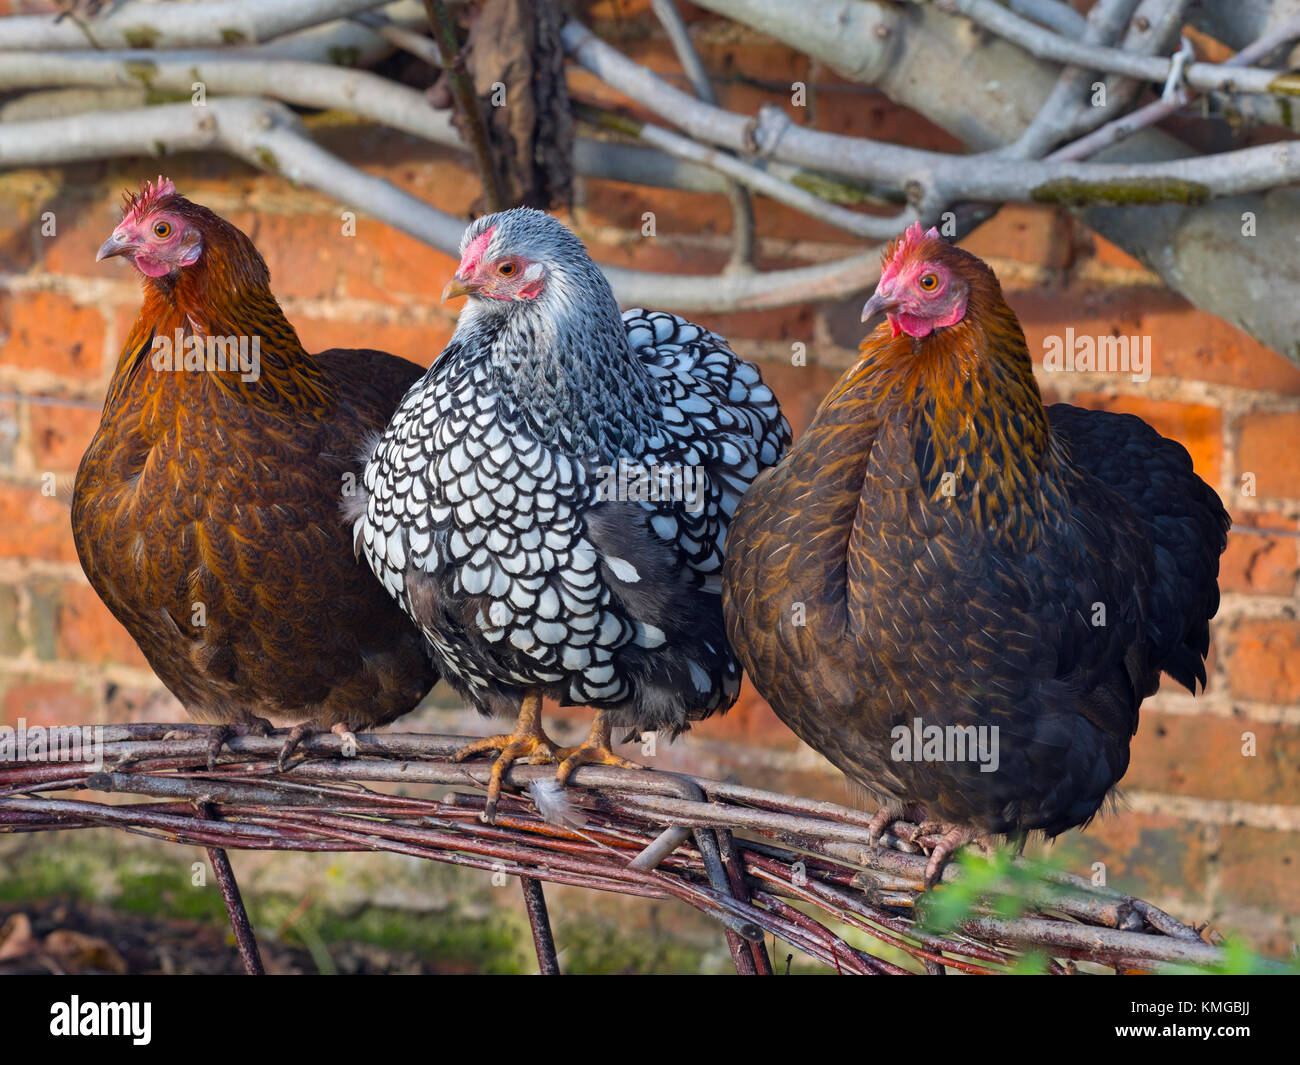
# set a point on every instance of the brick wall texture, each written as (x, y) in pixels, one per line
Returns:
(1206, 827)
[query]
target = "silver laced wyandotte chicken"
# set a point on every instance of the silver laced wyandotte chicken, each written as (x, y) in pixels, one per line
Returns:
(550, 503)
(207, 511)
(960, 597)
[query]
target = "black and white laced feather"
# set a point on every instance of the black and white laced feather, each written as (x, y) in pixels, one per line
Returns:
(550, 501)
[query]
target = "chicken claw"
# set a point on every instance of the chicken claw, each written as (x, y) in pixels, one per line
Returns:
(594, 750)
(222, 734)
(527, 743)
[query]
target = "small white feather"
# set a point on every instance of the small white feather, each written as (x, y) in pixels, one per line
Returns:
(553, 803)
(623, 570)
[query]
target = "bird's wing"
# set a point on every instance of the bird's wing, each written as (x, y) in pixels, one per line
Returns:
(1182, 516)
(721, 426)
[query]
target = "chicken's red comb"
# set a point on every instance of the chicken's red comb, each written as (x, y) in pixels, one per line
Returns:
(901, 249)
(475, 251)
(138, 204)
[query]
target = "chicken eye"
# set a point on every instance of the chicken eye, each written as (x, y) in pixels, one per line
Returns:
(506, 269)
(162, 230)
(930, 282)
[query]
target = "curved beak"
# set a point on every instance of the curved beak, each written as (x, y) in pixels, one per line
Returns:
(115, 245)
(458, 287)
(880, 303)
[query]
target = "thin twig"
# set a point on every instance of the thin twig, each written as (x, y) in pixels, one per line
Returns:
(758, 964)
(742, 207)
(747, 175)
(1045, 44)
(1064, 112)
(1054, 14)
(1148, 115)
(468, 105)
(540, 923)
(417, 44)
(239, 922)
(815, 855)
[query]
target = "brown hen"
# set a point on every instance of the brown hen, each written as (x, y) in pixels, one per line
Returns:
(961, 597)
(207, 509)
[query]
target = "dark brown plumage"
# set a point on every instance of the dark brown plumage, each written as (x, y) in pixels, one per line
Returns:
(207, 509)
(940, 547)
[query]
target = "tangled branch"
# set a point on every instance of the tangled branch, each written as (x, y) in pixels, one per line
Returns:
(935, 180)
(709, 148)
(1046, 44)
(759, 863)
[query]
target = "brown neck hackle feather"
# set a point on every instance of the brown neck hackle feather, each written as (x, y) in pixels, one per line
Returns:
(225, 293)
(969, 391)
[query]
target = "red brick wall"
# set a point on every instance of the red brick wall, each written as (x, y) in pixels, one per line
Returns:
(1208, 831)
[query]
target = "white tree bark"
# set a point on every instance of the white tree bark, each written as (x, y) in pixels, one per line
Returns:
(209, 25)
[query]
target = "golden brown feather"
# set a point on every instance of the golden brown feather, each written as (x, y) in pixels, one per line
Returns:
(206, 511)
(941, 548)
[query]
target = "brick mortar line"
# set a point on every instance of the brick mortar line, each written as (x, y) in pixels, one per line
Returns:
(89, 292)
(1177, 703)
(325, 308)
(603, 235)
(1224, 813)
(85, 675)
(84, 290)
(1233, 400)
(17, 570)
(1016, 274)
(1238, 605)
(14, 478)
(1171, 704)
(51, 385)
(1213, 836)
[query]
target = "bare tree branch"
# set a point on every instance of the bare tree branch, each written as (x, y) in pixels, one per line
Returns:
(270, 137)
(417, 44)
(1048, 45)
(1201, 251)
(746, 174)
(305, 84)
(742, 207)
(141, 25)
(467, 103)
(1155, 24)
(1054, 14)
(1150, 114)
(1065, 113)
(937, 179)
(343, 42)
(317, 85)
(266, 135)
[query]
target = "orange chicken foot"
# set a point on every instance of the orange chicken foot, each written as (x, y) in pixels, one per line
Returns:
(594, 750)
(526, 743)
